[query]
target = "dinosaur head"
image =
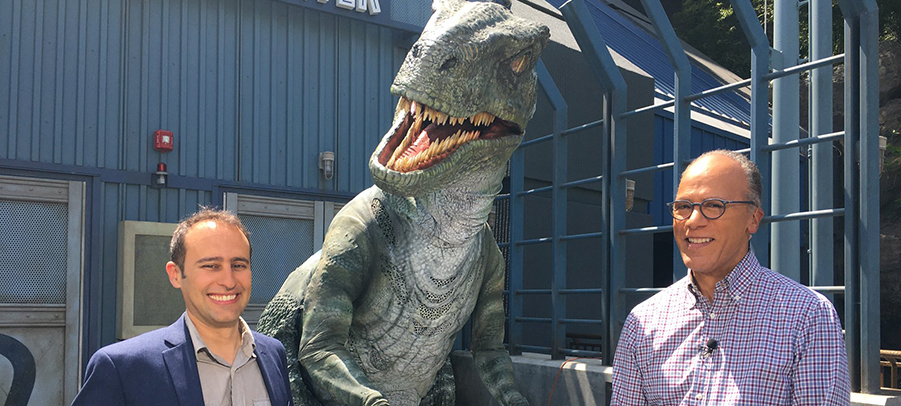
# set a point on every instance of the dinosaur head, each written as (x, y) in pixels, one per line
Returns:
(467, 89)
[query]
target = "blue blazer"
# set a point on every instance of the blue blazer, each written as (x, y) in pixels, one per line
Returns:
(160, 368)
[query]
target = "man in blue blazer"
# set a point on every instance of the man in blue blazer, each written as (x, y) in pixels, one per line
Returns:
(209, 356)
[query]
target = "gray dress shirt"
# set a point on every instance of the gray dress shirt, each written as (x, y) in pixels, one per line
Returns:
(238, 384)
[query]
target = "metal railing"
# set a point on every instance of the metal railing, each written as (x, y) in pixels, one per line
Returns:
(860, 207)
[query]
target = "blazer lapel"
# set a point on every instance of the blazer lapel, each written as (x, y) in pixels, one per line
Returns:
(265, 364)
(182, 364)
(271, 376)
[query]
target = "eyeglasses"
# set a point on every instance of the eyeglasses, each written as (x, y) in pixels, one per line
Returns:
(712, 209)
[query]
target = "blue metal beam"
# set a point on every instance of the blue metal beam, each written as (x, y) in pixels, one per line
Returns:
(786, 238)
(558, 208)
(852, 195)
(869, 195)
(613, 154)
(760, 50)
(822, 267)
(682, 108)
(514, 278)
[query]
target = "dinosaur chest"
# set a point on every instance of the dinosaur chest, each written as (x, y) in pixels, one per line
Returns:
(421, 290)
(420, 295)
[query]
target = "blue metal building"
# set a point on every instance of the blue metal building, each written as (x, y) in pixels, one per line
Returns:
(253, 92)
(256, 93)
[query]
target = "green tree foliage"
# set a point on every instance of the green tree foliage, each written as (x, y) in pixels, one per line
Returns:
(712, 27)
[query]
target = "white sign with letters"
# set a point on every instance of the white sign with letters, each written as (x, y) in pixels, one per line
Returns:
(360, 5)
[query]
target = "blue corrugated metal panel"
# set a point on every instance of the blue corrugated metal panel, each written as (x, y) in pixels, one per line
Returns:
(125, 202)
(254, 90)
(57, 79)
(703, 138)
(646, 52)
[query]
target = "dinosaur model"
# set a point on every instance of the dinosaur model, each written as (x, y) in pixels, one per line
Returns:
(371, 318)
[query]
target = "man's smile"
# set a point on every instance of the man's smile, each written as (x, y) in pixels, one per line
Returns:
(223, 298)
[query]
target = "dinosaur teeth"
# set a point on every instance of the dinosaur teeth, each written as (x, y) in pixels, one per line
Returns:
(431, 114)
(445, 146)
(406, 142)
(420, 113)
(483, 118)
(457, 138)
(404, 164)
(403, 104)
(434, 148)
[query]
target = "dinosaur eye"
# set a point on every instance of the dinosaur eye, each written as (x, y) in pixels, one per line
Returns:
(520, 62)
(448, 64)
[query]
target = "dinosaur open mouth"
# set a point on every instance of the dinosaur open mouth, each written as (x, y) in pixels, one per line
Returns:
(428, 136)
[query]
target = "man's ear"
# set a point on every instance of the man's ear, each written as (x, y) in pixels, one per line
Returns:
(174, 273)
(754, 222)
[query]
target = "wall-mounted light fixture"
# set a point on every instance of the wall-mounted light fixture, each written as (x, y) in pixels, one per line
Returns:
(327, 164)
(160, 178)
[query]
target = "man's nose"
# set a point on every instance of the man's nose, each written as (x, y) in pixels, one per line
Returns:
(696, 218)
(227, 279)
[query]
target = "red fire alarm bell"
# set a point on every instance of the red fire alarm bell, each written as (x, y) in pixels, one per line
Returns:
(163, 140)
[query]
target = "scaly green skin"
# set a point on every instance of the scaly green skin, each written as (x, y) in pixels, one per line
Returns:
(371, 318)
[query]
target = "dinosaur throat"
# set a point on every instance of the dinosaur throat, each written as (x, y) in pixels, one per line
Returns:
(428, 136)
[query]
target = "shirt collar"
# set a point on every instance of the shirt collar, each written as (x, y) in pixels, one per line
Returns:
(248, 345)
(735, 284)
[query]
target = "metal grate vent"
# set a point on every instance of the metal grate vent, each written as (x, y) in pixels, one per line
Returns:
(279, 246)
(412, 12)
(33, 252)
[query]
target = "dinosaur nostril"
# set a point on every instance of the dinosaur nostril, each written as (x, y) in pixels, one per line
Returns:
(448, 64)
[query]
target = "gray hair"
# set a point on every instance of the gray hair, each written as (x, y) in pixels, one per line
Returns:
(752, 174)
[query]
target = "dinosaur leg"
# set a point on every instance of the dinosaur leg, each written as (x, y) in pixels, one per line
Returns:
(443, 392)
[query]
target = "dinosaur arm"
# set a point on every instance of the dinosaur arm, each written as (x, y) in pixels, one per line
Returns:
(491, 359)
(341, 276)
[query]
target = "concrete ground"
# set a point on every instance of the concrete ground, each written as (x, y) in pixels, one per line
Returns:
(584, 382)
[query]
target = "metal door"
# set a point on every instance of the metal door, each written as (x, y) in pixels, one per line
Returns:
(41, 250)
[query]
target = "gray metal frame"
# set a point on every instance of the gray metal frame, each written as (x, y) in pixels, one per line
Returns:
(860, 211)
(69, 315)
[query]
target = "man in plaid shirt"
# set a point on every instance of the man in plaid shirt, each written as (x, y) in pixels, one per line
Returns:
(732, 332)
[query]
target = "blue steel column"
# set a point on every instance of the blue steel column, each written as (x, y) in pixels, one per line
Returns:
(760, 49)
(822, 268)
(869, 196)
(682, 114)
(602, 65)
(517, 217)
(558, 208)
(852, 194)
(786, 236)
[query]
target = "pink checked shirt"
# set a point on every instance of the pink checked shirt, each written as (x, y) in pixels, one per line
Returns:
(778, 343)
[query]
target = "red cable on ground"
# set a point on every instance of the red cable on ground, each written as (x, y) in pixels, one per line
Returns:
(558, 376)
